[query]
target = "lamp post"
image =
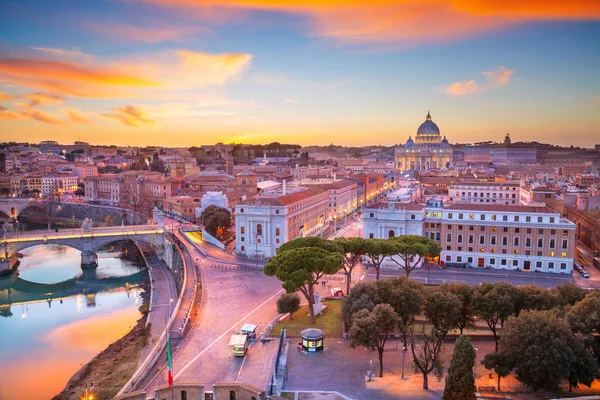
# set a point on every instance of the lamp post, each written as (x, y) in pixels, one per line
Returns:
(404, 348)
(475, 364)
(256, 252)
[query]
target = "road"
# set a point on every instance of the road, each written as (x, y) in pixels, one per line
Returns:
(230, 298)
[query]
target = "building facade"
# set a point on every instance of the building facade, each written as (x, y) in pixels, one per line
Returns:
(427, 151)
(266, 221)
(484, 192)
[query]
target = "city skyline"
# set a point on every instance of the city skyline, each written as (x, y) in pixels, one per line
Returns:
(184, 73)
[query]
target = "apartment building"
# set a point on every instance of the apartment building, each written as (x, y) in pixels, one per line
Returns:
(485, 192)
(105, 189)
(502, 236)
(511, 237)
(343, 198)
(266, 221)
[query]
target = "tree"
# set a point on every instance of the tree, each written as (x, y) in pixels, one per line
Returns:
(544, 351)
(377, 250)
(354, 249)
(584, 319)
(533, 297)
(407, 299)
(288, 303)
(426, 348)
(327, 245)
(216, 220)
(362, 296)
(460, 383)
(300, 268)
(499, 363)
(411, 249)
(464, 292)
(494, 303)
(79, 192)
(569, 293)
(372, 329)
(442, 309)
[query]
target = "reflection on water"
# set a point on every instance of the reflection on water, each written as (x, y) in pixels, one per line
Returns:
(46, 343)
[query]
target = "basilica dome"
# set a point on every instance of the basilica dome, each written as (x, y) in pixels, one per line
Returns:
(428, 127)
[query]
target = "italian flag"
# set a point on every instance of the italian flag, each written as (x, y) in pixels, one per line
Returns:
(169, 360)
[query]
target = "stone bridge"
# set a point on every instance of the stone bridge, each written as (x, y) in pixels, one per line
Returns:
(87, 240)
(13, 207)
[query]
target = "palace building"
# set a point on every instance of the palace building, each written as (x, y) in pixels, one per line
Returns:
(427, 151)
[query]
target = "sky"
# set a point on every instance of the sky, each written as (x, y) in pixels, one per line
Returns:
(193, 72)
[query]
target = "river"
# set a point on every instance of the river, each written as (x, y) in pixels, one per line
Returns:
(43, 343)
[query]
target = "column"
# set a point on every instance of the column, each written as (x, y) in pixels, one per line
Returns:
(89, 259)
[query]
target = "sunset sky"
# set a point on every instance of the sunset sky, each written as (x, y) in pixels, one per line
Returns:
(192, 72)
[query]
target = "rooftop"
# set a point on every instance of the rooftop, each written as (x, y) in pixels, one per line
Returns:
(500, 208)
(282, 199)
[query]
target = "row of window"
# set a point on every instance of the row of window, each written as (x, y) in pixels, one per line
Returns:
(505, 262)
(493, 217)
(505, 251)
(516, 240)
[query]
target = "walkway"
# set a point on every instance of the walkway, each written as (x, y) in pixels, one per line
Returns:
(163, 291)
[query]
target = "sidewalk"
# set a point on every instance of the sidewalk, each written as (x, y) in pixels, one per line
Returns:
(163, 290)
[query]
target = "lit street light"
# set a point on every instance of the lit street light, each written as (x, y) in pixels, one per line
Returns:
(404, 348)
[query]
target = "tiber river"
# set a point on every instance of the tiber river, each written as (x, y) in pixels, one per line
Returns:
(43, 341)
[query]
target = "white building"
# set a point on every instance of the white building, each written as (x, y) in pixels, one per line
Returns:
(266, 221)
(484, 192)
(388, 219)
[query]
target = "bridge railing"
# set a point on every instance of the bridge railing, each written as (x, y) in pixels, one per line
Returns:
(131, 230)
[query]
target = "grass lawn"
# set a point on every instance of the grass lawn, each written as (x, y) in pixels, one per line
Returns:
(330, 321)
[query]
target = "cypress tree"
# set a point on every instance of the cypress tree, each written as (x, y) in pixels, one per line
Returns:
(460, 382)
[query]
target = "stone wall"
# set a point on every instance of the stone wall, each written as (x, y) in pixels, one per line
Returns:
(198, 391)
(98, 214)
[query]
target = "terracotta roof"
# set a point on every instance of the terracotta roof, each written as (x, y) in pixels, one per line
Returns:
(500, 208)
(398, 205)
(487, 183)
(283, 200)
(333, 185)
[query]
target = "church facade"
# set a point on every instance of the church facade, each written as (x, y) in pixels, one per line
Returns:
(427, 151)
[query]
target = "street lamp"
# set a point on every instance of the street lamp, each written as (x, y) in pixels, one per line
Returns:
(404, 348)
(475, 365)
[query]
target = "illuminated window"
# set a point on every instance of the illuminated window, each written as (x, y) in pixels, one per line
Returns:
(242, 230)
(563, 254)
(481, 249)
(551, 254)
(471, 216)
(516, 251)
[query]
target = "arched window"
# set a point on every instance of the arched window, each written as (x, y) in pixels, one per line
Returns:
(259, 229)
(183, 395)
(391, 234)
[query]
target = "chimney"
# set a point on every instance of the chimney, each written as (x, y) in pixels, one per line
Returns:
(284, 187)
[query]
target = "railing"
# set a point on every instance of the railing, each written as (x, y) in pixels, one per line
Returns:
(78, 233)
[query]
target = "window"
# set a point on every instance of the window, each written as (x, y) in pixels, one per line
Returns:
(481, 249)
(459, 238)
(493, 240)
(259, 229)
(412, 216)
(540, 243)
(504, 240)
(553, 231)
(541, 231)
(450, 227)
(538, 264)
(371, 215)
(470, 259)
(448, 237)
(551, 265)
(471, 239)
(482, 217)
(516, 218)
(437, 236)
(242, 230)
(552, 254)
(528, 242)
(276, 211)
(515, 263)
(449, 215)
(529, 230)
(563, 265)
(516, 241)
(448, 248)
(516, 251)
(503, 261)
(370, 236)
(492, 261)
(565, 244)
(460, 216)
(481, 239)
(540, 219)
(448, 258)
(505, 230)
(243, 248)
(551, 220)
(493, 217)
(552, 243)
(517, 230)
(183, 395)
(471, 227)
(277, 240)
(460, 227)
(527, 219)
(241, 210)
(277, 231)
(391, 234)
(563, 254)
(458, 258)
(232, 395)
(470, 249)
(242, 238)
(471, 216)
(505, 218)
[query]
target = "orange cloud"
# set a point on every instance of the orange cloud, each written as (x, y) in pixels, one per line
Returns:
(6, 96)
(42, 99)
(130, 116)
(69, 79)
(146, 76)
(77, 116)
(75, 53)
(41, 117)
(404, 21)
(461, 88)
(496, 78)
